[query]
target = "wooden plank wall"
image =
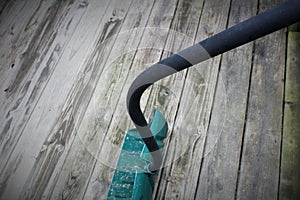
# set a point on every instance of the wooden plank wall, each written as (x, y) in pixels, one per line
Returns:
(66, 66)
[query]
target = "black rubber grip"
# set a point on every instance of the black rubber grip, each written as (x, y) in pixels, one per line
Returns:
(253, 28)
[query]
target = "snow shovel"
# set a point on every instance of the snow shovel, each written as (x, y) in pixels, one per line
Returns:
(133, 176)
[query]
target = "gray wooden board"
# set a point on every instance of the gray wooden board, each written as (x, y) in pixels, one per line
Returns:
(38, 53)
(219, 170)
(24, 82)
(48, 107)
(260, 160)
(179, 178)
(78, 100)
(290, 159)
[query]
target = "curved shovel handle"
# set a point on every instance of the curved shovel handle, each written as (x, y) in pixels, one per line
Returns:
(242, 33)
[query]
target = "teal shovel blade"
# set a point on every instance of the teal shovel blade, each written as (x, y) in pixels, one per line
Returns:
(131, 178)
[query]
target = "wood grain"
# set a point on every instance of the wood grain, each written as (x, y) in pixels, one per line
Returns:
(33, 70)
(219, 171)
(81, 94)
(262, 138)
(37, 60)
(290, 176)
(45, 111)
(16, 92)
(192, 118)
(84, 151)
(166, 94)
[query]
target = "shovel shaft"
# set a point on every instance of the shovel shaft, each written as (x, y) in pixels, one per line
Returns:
(253, 28)
(242, 33)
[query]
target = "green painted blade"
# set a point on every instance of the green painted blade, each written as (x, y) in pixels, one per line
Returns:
(131, 179)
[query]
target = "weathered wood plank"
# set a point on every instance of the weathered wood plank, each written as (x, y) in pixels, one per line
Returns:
(23, 35)
(76, 170)
(28, 36)
(15, 39)
(41, 50)
(13, 19)
(76, 105)
(259, 171)
(219, 170)
(290, 159)
(179, 180)
(49, 107)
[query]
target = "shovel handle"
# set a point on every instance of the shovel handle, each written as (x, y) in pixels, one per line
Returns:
(260, 25)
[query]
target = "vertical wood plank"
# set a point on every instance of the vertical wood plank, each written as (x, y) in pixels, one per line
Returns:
(179, 179)
(219, 170)
(290, 159)
(165, 95)
(259, 172)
